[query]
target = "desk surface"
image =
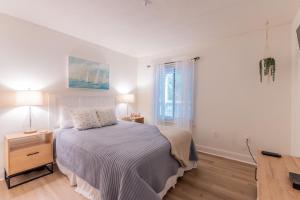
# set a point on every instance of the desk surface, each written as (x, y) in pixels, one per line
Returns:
(273, 177)
(23, 135)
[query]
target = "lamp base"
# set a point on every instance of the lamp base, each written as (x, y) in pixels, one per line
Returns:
(29, 131)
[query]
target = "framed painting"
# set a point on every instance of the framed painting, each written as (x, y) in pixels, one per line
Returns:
(87, 74)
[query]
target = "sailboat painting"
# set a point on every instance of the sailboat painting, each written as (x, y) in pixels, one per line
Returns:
(88, 74)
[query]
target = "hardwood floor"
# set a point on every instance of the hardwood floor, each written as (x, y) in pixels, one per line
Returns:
(215, 179)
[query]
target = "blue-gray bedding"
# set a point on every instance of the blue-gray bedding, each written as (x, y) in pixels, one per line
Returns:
(126, 161)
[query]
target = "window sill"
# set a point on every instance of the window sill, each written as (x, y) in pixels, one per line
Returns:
(167, 123)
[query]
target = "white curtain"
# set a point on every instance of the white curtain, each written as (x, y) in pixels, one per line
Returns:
(183, 94)
(159, 94)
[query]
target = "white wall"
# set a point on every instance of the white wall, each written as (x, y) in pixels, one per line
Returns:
(231, 103)
(35, 57)
(295, 138)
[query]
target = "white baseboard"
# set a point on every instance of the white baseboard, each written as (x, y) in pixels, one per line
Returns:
(225, 154)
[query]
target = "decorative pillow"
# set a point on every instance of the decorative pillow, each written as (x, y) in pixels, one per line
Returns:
(106, 116)
(65, 119)
(85, 119)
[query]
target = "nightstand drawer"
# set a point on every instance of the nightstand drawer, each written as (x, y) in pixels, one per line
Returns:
(30, 157)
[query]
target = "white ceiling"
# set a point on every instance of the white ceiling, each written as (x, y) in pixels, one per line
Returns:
(130, 27)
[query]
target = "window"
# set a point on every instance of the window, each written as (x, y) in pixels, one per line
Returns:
(169, 101)
(173, 94)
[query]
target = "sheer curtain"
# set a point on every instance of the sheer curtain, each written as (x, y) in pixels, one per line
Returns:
(159, 94)
(183, 94)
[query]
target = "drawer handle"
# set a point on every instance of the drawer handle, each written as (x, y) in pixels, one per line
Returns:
(31, 154)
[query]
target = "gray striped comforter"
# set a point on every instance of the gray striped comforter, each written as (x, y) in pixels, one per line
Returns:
(127, 161)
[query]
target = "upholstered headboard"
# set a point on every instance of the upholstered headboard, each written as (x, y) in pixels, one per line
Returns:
(75, 100)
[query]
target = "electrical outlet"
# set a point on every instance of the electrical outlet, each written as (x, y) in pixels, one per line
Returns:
(247, 139)
(215, 133)
(244, 141)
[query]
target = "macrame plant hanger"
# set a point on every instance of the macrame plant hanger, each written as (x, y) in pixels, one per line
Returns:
(267, 53)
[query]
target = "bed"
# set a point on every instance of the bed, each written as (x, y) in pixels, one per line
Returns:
(122, 161)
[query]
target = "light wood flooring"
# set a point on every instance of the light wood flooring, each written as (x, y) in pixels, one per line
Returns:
(215, 179)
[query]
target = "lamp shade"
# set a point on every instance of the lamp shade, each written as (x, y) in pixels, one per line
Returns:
(29, 98)
(126, 98)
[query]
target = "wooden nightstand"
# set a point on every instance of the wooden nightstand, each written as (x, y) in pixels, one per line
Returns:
(27, 152)
(134, 119)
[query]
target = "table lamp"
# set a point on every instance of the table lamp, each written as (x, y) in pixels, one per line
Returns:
(29, 98)
(126, 98)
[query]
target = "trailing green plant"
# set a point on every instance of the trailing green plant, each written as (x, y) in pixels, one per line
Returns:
(267, 66)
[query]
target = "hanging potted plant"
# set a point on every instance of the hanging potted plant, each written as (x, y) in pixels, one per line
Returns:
(267, 65)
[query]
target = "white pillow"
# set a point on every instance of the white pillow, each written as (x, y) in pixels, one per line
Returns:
(85, 119)
(106, 116)
(65, 119)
